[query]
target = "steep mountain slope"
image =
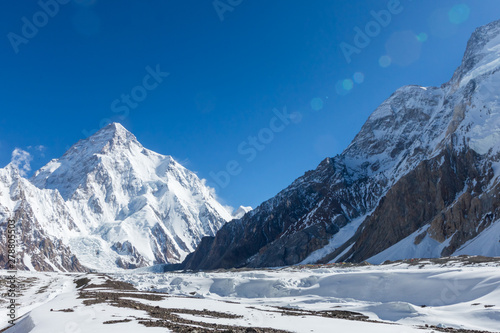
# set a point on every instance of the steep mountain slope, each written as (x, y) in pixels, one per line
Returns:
(133, 207)
(39, 214)
(420, 176)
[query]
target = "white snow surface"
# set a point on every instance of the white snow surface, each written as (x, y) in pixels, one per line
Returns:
(454, 295)
(47, 205)
(486, 243)
(241, 211)
(407, 249)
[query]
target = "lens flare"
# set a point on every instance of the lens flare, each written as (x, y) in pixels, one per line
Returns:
(339, 88)
(459, 14)
(385, 61)
(347, 84)
(358, 77)
(422, 37)
(317, 104)
(440, 25)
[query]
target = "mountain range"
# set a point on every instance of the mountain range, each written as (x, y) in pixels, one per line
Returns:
(109, 203)
(419, 180)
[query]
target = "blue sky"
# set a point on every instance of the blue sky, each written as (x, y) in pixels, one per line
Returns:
(234, 73)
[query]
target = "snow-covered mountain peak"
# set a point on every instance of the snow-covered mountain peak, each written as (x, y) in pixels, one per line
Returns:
(241, 211)
(136, 206)
(10, 171)
(110, 147)
(111, 137)
(416, 122)
(482, 54)
(115, 134)
(404, 127)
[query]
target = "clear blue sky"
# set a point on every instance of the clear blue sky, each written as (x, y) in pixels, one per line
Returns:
(225, 77)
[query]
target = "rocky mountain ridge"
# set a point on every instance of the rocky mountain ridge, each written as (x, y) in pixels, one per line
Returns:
(420, 179)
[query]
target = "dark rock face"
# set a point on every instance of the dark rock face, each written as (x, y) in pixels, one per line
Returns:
(287, 228)
(440, 192)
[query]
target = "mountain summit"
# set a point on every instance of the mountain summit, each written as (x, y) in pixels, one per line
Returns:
(420, 179)
(67, 173)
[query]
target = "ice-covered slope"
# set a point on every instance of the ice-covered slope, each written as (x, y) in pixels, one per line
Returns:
(132, 206)
(425, 162)
(38, 215)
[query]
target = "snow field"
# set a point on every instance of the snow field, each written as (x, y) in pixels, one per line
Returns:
(403, 294)
(396, 298)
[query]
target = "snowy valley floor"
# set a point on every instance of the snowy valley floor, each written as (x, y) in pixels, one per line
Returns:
(454, 295)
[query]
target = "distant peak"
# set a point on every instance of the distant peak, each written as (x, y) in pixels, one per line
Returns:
(12, 169)
(478, 46)
(108, 138)
(480, 38)
(113, 131)
(487, 31)
(113, 127)
(241, 211)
